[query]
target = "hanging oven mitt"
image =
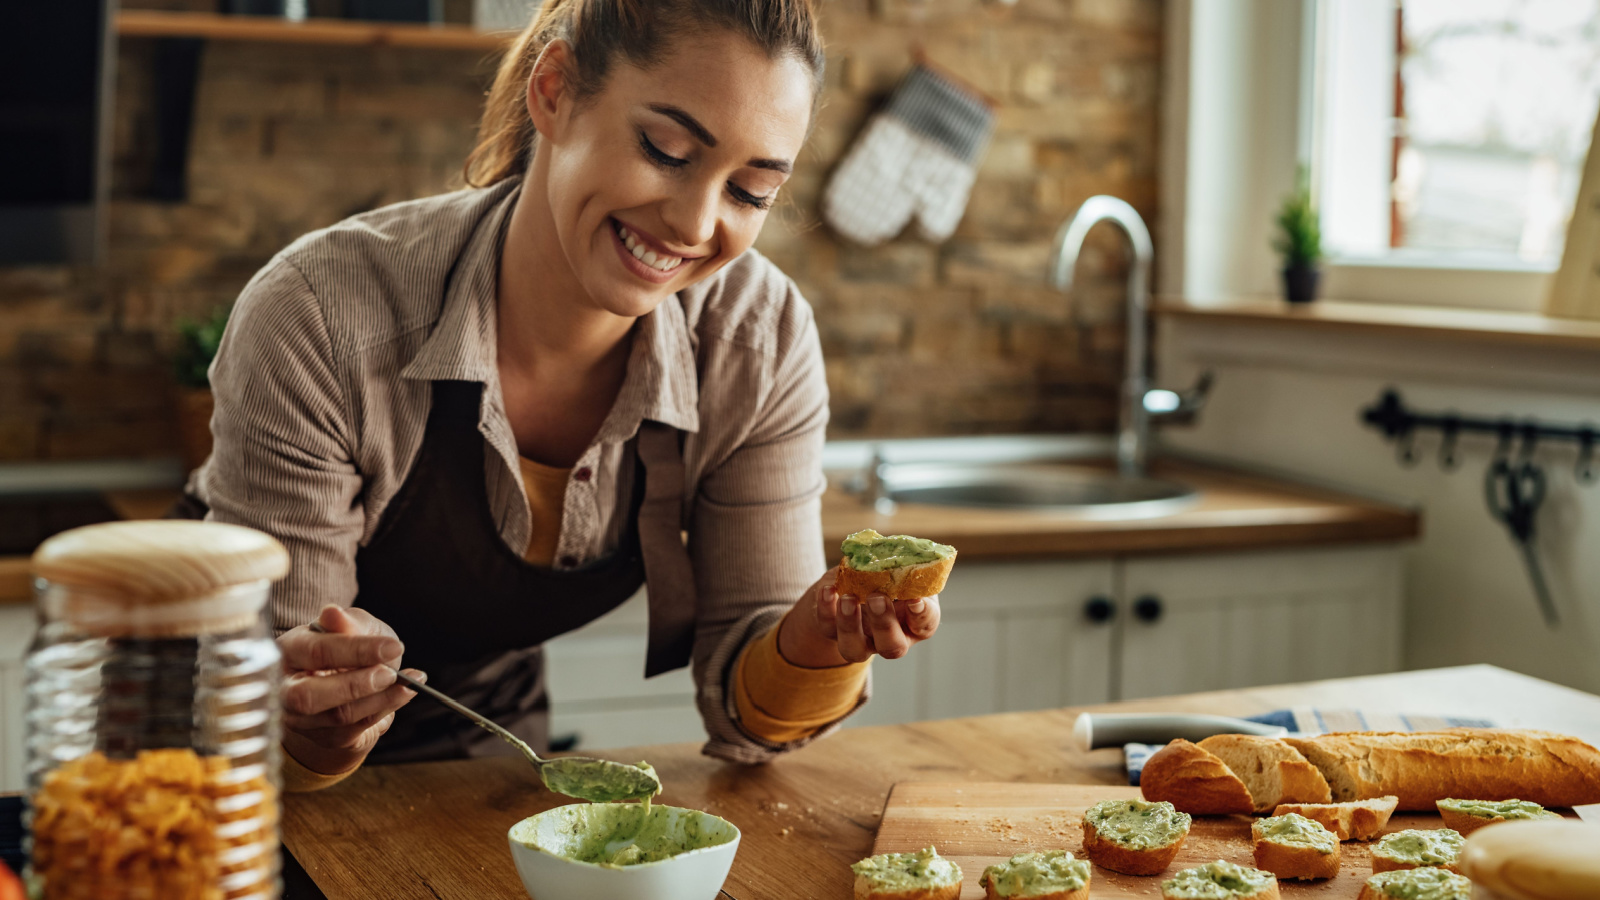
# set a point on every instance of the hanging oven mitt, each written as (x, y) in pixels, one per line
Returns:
(917, 158)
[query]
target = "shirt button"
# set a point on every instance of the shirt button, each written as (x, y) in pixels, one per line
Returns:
(583, 474)
(568, 562)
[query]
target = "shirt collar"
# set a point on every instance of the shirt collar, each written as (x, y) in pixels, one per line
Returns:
(661, 383)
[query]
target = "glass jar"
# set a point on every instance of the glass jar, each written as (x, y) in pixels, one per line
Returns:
(152, 725)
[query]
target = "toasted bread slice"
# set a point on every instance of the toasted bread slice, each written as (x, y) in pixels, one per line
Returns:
(877, 877)
(1440, 883)
(1194, 780)
(1418, 849)
(1467, 816)
(1355, 820)
(1025, 874)
(942, 892)
(1140, 856)
(1257, 884)
(1293, 846)
(1273, 771)
(903, 583)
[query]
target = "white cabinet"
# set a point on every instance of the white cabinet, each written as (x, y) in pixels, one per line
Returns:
(16, 631)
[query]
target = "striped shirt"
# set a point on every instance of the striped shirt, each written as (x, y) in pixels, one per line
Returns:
(322, 387)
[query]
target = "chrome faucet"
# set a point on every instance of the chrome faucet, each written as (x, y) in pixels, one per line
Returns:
(1138, 404)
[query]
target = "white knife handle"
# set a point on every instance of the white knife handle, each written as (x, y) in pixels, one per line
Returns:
(1095, 730)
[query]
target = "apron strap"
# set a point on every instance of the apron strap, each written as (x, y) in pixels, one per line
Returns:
(668, 574)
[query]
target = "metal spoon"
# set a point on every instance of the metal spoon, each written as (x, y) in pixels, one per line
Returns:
(583, 777)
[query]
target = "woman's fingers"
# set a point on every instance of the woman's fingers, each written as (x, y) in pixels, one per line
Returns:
(826, 608)
(920, 617)
(358, 737)
(887, 638)
(307, 694)
(853, 642)
(367, 709)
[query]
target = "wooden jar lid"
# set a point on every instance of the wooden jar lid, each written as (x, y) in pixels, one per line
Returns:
(1543, 859)
(161, 577)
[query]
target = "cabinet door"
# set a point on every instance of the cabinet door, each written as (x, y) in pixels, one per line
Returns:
(16, 631)
(1237, 620)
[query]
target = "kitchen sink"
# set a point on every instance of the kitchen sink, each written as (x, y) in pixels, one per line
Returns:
(1085, 491)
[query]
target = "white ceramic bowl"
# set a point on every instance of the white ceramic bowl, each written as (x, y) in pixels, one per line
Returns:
(539, 842)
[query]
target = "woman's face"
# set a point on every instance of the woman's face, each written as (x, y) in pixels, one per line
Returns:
(668, 173)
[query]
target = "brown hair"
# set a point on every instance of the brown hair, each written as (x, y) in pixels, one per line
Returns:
(637, 30)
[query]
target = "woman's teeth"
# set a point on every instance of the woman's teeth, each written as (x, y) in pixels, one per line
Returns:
(648, 257)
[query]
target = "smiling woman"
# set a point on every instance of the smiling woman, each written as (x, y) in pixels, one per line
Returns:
(481, 420)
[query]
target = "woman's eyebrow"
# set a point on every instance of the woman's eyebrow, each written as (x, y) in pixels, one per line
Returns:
(682, 117)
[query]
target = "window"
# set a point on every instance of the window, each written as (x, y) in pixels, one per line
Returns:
(1453, 132)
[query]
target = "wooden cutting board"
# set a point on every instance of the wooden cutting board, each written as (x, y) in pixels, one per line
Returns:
(978, 824)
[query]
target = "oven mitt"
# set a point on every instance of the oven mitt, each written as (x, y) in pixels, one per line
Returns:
(915, 159)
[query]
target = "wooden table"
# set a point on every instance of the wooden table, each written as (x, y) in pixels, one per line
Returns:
(436, 831)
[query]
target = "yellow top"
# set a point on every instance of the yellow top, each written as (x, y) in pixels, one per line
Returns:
(546, 487)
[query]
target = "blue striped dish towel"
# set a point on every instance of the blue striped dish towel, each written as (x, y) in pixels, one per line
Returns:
(1307, 721)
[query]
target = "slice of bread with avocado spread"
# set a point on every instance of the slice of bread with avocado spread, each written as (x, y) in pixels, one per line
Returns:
(1134, 837)
(1416, 848)
(1049, 875)
(919, 875)
(1220, 881)
(1467, 816)
(1355, 820)
(1428, 883)
(899, 566)
(1293, 846)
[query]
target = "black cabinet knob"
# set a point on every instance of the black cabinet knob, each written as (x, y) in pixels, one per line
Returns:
(1099, 609)
(1148, 608)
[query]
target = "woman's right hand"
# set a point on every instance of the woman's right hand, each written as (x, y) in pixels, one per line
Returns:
(340, 692)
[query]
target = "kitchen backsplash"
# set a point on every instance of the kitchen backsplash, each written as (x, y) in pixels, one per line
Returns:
(921, 339)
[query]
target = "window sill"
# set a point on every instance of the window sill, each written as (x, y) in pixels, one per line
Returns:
(1426, 322)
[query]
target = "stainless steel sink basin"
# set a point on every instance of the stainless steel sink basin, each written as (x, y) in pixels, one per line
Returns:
(1084, 491)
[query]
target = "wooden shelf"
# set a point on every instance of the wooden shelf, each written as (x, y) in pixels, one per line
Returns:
(1430, 322)
(211, 26)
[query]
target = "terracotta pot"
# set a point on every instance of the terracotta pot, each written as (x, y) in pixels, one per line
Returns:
(194, 425)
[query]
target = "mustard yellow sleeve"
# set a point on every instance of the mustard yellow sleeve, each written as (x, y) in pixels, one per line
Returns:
(780, 702)
(297, 779)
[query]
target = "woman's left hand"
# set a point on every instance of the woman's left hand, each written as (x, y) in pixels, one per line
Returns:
(827, 628)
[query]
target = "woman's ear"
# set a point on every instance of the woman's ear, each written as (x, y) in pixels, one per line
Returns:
(549, 99)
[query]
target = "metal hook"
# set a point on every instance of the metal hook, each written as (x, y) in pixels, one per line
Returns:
(1530, 441)
(1406, 447)
(1448, 460)
(1585, 471)
(1502, 445)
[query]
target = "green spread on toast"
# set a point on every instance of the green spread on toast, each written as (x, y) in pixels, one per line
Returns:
(1438, 847)
(905, 871)
(1421, 884)
(1138, 825)
(869, 551)
(1297, 830)
(1498, 809)
(1037, 874)
(1217, 881)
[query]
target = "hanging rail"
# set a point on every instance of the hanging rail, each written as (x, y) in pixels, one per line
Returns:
(1398, 423)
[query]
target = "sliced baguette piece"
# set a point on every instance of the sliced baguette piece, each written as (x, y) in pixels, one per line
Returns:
(1421, 768)
(1194, 780)
(1354, 820)
(1293, 846)
(1439, 883)
(942, 879)
(903, 583)
(1056, 864)
(1273, 771)
(1462, 815)
(1259, 885)
(1117, 854)
(1418, 849)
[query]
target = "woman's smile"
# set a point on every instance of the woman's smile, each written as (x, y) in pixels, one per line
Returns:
(643, 255)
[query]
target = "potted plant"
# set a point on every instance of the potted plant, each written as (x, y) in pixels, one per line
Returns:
(197, 346)
(1299, 242)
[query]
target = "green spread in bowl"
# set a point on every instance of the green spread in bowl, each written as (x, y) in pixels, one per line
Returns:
(869, 551)
(906, 871)
(1136, 824)
(1036, 874)
(1421, 884)
(1217, 881)
(1498, 809)
(1296, 830)
(614, 835)
(1438, 847)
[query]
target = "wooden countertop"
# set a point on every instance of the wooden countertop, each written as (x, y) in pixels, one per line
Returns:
(1234, 512)
(431, 830)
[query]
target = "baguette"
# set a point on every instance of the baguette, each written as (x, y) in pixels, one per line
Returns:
(1293, 846)
(1467, 816)
(1418, 849)
(1421, 768)
(1221, 879)
(1273, 771)
(1355, 820)
(1438, 884)
(901, 582)
(1133, 837)
(1194, 780)
(1051, 875)
(922, 875)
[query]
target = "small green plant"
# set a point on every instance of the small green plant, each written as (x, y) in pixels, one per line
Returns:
(1299, 238)
(197, 347)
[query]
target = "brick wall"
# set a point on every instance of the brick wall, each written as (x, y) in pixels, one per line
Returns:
(920, 339)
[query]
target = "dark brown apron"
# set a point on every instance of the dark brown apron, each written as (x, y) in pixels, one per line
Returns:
(473, 613)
